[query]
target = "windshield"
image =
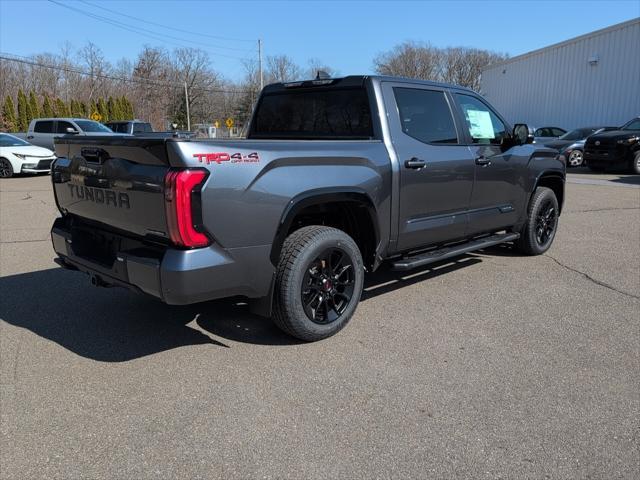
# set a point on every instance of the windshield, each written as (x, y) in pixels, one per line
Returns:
(11, 141)
(578, 134)
(91, 126)
(632, 125)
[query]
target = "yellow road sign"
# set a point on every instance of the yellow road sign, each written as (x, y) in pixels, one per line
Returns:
(216, 124)
(96, 116)
(229, 122)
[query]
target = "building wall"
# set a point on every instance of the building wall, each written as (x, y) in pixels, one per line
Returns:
(557, 86)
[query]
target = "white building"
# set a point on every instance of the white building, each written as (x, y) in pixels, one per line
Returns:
(589, 80)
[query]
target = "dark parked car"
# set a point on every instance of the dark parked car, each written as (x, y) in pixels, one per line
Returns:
(571, 144)
(335, 177)
(140, 128)
(544, 134)
(615, 149)
(130, 127)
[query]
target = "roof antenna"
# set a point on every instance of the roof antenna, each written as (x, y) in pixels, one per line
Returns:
(322, 75)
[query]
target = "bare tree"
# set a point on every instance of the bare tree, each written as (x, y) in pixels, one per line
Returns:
(93, 60)
(316, 65)
(459, 65)
(281, 68)
(412, 60)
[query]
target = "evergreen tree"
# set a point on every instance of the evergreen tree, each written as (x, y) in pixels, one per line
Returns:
(47, 108)
(93, 108)
(112, 111)
(61, 108)
(76, 109)
(23, 111)
(102, 110)
(9, 120)
(120, 109)
(34, 109)
(128, 108)
(84, 108)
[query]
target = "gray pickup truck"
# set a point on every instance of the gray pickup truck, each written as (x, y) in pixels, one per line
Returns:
(42, 131)
(336, 177)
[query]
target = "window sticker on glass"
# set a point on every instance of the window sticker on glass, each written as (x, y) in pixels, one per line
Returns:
(480, 125)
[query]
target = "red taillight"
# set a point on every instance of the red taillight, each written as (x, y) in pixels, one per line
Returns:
(180, 186)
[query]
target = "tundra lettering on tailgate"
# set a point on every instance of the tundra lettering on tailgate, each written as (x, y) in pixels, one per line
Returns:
(99, 195)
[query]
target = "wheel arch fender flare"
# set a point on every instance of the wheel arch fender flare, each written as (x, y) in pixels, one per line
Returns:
(551, 179)
(321, 196)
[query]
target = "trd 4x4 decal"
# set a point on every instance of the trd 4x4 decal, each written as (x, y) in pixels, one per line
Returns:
(220, 157)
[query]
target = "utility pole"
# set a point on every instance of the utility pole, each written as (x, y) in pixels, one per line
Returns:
(260, 63)
(186, 101)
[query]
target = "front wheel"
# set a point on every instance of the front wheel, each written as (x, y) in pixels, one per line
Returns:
(6, 170)
(576, 158)
(635, 166)
(318, 282)
(540, 229)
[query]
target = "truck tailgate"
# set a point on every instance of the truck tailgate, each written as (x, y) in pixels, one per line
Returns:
(118, 182)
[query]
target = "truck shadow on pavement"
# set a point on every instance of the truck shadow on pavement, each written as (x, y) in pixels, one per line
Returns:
(115, 325)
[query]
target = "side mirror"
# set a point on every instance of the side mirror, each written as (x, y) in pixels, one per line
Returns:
(522, 134)
(72, 131)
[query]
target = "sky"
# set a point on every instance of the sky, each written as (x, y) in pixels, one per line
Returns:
(346, 35)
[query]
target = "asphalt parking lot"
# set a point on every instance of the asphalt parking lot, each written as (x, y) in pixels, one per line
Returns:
(492, 366)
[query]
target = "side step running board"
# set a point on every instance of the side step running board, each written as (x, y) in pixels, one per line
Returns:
(409, 263)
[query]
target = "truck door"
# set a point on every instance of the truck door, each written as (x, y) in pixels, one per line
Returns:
(436, 167)
(42, 134)
(498, 191)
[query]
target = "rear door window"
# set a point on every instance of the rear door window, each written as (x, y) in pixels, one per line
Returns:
(485, 127)
(43, 126)
(425, 115)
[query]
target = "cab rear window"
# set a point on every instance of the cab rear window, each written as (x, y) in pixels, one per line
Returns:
(314, 114)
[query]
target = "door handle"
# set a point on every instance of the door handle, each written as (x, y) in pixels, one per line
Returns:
(415, 163)
(483, 161)
(29, 137)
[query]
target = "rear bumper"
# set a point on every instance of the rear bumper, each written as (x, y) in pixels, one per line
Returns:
(176, 277)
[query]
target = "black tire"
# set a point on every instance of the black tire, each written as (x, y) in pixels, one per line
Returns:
(635, 166)
(6, 170)
(542, 223)
(306, 277)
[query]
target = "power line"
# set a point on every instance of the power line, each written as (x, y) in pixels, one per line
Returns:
(19, 59)
(161, 37)
(200, 34)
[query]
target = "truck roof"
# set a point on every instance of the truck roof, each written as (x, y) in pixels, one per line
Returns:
(358, 80)
(74, 119)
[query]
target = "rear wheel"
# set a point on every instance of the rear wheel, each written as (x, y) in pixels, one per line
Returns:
(538, 233)
(6, 170)
(318, 282)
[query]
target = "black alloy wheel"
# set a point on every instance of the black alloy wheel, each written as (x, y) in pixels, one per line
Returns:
(6, 170)
(546, 222)
(539, 230)
(328, 286)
